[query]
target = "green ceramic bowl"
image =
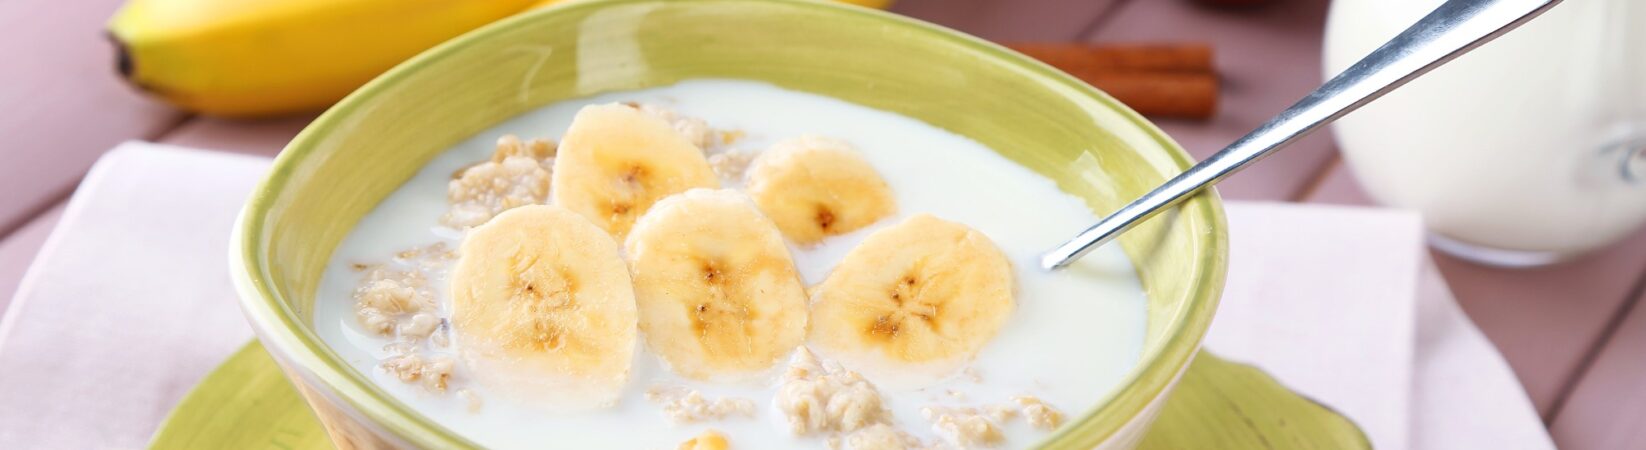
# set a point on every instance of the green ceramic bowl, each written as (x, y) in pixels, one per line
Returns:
(354, 155)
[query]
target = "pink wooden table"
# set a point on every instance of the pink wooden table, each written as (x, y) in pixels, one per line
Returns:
(1572, 333)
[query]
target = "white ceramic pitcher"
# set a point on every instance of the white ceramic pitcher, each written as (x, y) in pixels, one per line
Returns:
(1526, 151)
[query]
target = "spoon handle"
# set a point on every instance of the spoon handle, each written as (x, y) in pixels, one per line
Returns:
(1451, 30)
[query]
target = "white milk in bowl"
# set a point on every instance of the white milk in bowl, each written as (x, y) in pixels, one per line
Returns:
(1063, 342)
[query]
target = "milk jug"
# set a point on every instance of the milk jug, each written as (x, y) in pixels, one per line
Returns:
(1526, 151)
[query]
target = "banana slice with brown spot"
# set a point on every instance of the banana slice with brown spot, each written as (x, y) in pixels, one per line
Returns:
(817, 187)
(616, 161)
(542, 305)
(718, 292)
(924, 292)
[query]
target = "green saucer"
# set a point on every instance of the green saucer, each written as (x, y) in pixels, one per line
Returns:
(247, 403)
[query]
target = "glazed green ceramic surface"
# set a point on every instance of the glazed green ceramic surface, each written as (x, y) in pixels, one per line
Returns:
(1227, 405)
(354, 155)
(246, 403)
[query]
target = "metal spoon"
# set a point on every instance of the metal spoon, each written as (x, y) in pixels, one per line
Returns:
(1451, 30)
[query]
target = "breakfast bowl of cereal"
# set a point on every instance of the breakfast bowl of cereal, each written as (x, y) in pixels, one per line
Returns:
(724, 224)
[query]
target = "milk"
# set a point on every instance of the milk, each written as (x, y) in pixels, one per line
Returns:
(1073, 337)
(1529, 143)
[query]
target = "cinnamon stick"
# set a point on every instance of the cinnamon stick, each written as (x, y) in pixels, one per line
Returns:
(1181, 95)
(1162, 80)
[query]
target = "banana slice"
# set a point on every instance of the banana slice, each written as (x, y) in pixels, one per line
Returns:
(615, 161)
(817, 187)
(719, 296)
(922, 293)
(695, 130)
(542, 305)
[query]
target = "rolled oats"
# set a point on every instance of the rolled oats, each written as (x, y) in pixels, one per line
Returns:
(1039, 414)
(683, 406)
(818, 397)
(966, 429)
(881, 437)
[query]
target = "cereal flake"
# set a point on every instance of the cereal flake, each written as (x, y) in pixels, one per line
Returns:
(818, 397)
(683, 406)
(964, 427)
(882, 437)
(433, 373)
(1039, 414)
(517, 175)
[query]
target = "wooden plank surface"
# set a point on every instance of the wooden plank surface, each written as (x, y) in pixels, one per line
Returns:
(1544, 320)
(1607, 407)
(263, 137)
(64, 103)
(1337, 186)
(257, 137)
(1268, 58)
(1018, 20)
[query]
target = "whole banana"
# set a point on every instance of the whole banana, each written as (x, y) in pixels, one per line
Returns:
(252, 58)
(259, 58)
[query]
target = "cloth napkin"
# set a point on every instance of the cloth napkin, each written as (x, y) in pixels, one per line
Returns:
(129, 304)
(1343, 305)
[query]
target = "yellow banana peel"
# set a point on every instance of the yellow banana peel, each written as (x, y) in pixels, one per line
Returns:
(253, 58)
(259, 58)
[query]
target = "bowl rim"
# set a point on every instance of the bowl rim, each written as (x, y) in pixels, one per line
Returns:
(291, 341)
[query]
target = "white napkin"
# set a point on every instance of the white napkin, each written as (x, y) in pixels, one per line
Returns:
(1343, 305)
(129, 304)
